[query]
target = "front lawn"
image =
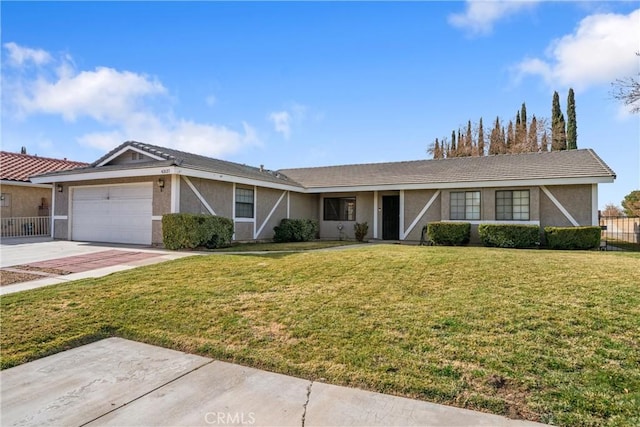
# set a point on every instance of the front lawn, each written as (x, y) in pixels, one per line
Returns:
(286, 247)
(543, 335)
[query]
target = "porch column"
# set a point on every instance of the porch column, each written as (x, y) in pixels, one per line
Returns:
(375, 214)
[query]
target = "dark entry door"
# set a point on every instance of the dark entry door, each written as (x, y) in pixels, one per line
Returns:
(391, 217)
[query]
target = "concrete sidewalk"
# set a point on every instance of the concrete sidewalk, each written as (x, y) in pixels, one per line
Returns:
(119, 382)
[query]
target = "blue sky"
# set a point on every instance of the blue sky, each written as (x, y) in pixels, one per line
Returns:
(289, 84)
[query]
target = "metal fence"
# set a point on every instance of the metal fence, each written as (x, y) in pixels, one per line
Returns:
(31, 226)
(621, 232)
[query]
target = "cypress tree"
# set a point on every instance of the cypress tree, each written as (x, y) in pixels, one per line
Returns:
(544, 143)
(523, 127)
(480, 139)
(572, 126)
(510, 144)
(453, 152)
(558, 131)
(503, 141)
(532, 140)
(518, 137)
(468, 140)
(438, 151)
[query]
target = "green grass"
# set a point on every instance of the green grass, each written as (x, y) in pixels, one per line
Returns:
(543, 335)
(285, 247)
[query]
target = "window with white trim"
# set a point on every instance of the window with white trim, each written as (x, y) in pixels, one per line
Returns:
(244, 203)
(464, 205)
(512, 205)
(340, 209)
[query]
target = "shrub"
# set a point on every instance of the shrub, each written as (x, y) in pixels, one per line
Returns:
(189, 231)
(360, 230)
(449, 233)
(509, 235)
(296, 230)
(572, 237)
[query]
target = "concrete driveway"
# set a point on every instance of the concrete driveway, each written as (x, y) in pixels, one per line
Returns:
(80, 259)
(117, 382)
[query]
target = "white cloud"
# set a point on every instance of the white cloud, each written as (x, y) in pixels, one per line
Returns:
(284, 121)
(480, 16)
(601, 49)
(281, 122)
(104, 94)
(20, 55)
(121, 101)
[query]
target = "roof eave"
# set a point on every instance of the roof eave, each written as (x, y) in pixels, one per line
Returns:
(462, 184)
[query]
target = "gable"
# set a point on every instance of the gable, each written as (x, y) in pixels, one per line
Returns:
(129, 157)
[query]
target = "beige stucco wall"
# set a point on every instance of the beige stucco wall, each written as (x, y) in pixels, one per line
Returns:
(414, 202)
(25, 201)
(243, 231)
(364, 213)
(218, 194)
(304, 206)
(61, 230)
(576, 199)
(266, 199)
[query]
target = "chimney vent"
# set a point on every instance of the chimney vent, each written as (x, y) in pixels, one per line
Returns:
(261, 168)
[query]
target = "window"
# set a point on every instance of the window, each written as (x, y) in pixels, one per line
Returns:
(340, 209)
(5, 200)
(465, 205)
(512, 205)
(244, 203)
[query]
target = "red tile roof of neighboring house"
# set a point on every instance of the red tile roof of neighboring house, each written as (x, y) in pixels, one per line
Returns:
(19, 167)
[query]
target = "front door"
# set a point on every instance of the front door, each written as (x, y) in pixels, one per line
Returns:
(391, 217)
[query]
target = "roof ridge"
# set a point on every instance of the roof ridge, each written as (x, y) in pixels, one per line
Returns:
(33, 156)
(462, 158)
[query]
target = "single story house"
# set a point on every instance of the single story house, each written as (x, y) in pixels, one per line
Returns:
(25, 205)
(122, 196)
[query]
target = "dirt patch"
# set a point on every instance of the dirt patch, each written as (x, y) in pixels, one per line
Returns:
(48, 270)
(25, 273)
(11, 277)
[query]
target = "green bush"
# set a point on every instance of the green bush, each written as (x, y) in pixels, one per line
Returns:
(509, 235)
(296, 230)
(572, 237)
(449, 233)
(360, 229)
(189, 231)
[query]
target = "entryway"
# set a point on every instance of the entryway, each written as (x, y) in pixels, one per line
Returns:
(391, 217)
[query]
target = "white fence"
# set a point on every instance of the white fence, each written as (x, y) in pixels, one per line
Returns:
(25, 226)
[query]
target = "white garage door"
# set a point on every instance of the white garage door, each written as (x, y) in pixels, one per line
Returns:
(116, 214)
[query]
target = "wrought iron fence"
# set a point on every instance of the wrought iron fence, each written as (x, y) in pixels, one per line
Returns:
(31, 226)
(621, 232)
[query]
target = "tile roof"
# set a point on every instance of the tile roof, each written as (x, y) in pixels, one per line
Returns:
(19, 167)
(546, 165)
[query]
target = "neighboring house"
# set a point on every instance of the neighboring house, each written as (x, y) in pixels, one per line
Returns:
(122, 196)
(25, 205)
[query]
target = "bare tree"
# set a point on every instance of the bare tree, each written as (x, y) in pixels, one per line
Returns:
(611, 209)
(627, 90)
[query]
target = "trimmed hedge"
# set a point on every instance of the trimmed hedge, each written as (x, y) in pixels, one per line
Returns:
(296, 230)
(449, 233)
(572, 237)
(189, 231)
(509, 235)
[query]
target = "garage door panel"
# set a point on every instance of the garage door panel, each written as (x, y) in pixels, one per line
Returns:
(116, 214)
